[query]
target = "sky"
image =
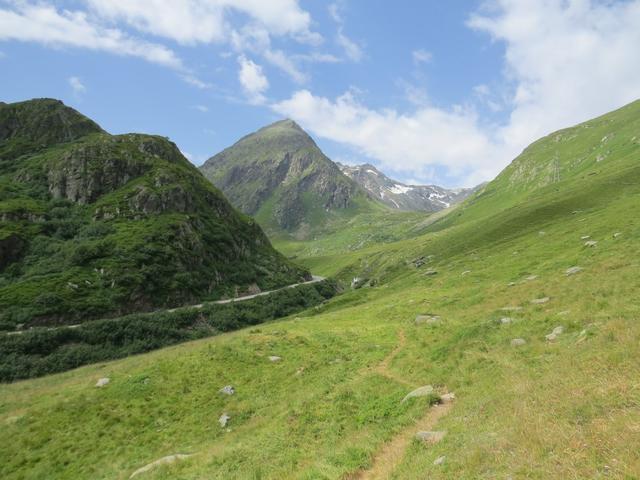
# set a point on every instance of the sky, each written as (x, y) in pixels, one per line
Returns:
(430, 92)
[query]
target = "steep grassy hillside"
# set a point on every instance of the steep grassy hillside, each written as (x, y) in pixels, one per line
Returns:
(96, 225)
(494, 271)
(280, 176)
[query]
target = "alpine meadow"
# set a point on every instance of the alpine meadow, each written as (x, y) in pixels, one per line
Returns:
(366, 268)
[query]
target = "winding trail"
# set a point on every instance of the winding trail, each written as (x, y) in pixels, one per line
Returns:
(390, 455)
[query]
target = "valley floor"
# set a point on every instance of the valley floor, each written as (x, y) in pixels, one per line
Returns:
(565, 408)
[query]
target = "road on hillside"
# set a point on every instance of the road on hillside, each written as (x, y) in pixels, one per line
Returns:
(314, 279)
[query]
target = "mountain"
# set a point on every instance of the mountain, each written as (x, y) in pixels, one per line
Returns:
(280, 176)
(521, 302)
(95, 224)
(428, 198)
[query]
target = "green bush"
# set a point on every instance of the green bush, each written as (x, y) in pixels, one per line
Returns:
(42, 351)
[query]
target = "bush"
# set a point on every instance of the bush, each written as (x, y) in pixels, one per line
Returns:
(41, 351)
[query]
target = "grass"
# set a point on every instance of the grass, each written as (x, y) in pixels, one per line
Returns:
(563, 409)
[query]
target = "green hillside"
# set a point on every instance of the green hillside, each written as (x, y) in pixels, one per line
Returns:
(467, 306)
(280, 176)
(98, 225)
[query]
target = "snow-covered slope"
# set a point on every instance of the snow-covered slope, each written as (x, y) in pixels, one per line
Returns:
(428, 198)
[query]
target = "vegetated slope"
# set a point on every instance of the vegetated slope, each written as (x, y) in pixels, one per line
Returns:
(563, 407)
(280, 176)
(96, 225)
(428, 198)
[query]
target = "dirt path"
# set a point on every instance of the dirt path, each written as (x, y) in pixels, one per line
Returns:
(389, 456)
(383, 367)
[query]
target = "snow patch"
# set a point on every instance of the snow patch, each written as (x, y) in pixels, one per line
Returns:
(400, 189)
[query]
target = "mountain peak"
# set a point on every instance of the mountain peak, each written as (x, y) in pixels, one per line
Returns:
(44, 121)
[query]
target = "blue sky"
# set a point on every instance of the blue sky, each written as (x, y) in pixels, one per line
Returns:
(428, 91)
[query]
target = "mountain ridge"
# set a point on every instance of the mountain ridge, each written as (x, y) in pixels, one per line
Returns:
(97, 224)
(402, 196)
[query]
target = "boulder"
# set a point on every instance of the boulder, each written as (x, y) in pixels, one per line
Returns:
(430, 437)
(163, 461)
(424, 391)
(228, 390)
(223, 420)
(554, 334)
(540, 301)
(102, 382)
(427, 319)
(448, 397)
(572, 271)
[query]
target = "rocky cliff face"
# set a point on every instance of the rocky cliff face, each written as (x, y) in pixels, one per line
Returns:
(397, 195)
(97, 225)
(281, 176)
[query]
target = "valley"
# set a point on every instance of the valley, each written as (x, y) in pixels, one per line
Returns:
(520, 301)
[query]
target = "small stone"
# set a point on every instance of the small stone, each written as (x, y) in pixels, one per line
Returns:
(541, 233)
(572, 271)
(430, 437)
(511, 284)
(102, 382)
(466, 272)
(448, 397)
(424, 391)
(531, 277)
(590, 243)
(223, 420)
(558, 330)
(299, 371)
(439, 460)
(427, 319)
(228, 390)
(617, 234)
(431, 272)
(518, 342)
(551, 337)
(511, 309)
(540, 301)
(506, 320)
(274, 358)
(585, 237)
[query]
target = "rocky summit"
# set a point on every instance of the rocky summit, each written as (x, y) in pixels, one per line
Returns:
(279, 175)
(94, 224)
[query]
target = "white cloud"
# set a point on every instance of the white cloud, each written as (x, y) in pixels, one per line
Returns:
(282, 61)
(405, 142)
(201, 108)
(568, 61)
(205, 21)
(565, 62)
(352, 50)
(421, 56)
(44, 24)
(77, 86)
(253, 81)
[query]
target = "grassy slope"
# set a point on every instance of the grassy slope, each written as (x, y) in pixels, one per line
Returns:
(164, 237)
(567, 409)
